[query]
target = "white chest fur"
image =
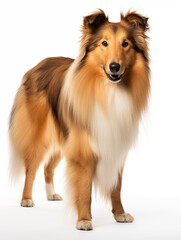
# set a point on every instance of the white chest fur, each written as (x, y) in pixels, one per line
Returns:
(113, 134)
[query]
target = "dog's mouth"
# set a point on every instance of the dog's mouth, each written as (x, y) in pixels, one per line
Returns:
(114, 77)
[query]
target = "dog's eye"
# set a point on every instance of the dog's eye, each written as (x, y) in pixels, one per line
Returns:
(104, 43)
(124, 44)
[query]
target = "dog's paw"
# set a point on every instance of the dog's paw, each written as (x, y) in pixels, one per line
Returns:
(84, 225)
(27, 203)
(124, 218)
(54, 197)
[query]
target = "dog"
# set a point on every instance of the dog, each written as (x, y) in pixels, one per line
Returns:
(86, 110)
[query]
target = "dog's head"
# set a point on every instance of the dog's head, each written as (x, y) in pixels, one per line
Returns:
(114, 47)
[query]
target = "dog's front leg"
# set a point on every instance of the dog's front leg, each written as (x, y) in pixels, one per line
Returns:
(117, 207)
(80, 180)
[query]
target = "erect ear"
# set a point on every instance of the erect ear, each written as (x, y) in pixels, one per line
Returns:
(136, 20)
(94, 21)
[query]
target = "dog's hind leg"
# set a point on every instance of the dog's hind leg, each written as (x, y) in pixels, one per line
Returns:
(49, 169)
(32, 161)
(117, 207)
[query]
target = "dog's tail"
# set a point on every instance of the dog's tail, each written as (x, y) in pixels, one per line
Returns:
(16, 165)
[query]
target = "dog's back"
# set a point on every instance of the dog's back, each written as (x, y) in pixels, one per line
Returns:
(34, 128)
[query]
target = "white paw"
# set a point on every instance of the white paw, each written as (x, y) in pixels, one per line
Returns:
(54, 197)
(84, 225)
(27, 203)
(124, 218)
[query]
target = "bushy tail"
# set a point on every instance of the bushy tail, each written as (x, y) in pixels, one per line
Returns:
(16, 165)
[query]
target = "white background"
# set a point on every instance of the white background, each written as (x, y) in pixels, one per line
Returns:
(33, 30)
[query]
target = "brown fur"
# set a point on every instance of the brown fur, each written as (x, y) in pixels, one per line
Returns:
(51, 109)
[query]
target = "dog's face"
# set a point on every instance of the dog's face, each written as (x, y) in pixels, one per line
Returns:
(113, 46)
(114, 51)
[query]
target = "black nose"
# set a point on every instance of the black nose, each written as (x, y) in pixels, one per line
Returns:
(114, 67)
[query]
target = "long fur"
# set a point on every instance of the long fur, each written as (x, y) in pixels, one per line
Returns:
(73, 107)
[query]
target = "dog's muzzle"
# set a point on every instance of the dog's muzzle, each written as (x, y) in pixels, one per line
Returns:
(114, 74)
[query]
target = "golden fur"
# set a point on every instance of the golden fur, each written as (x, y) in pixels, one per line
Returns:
(53, 109)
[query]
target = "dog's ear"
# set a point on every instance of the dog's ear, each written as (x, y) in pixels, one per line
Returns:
(136, 20)
(94, 21)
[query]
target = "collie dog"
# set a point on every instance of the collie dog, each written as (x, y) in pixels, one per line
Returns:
(86, 110)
